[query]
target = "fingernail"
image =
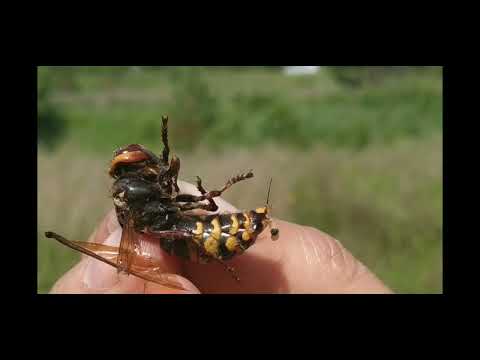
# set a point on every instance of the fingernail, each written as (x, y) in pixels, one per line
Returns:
(187, 285)
(98, 275)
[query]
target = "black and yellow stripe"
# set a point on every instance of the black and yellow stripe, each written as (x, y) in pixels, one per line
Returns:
(225, 235)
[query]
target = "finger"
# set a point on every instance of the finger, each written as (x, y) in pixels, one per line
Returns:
(318, 263)
(69, 283)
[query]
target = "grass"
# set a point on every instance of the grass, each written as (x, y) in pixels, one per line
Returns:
(363, 164)
(72, 197)
(386, 207)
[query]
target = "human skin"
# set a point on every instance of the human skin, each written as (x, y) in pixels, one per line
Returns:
(303, 260)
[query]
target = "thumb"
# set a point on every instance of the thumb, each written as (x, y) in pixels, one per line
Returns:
(319, 263)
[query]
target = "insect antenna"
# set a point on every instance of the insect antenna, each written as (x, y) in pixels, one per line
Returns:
(268, 192)
(273, 231)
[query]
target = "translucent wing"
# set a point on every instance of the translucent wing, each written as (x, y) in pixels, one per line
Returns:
(128, 247)
(144, 267)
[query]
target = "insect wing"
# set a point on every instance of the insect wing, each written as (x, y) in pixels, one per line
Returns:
(145, 268)
(147, 265)
(105, 253)
(128, 247)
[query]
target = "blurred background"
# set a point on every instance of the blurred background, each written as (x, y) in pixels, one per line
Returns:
(353, 151)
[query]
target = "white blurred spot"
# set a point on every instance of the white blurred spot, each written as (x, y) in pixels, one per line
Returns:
(301, 70)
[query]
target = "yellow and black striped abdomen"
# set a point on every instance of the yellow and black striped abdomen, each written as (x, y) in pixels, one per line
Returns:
(225, 235)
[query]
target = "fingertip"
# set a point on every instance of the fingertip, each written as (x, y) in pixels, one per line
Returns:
(319, 263)
(104, 229)
(106, 226)
(71, 281)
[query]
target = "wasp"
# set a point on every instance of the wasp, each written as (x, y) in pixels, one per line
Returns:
(148, 203)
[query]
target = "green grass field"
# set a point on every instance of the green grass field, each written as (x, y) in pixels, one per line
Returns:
(363, 164)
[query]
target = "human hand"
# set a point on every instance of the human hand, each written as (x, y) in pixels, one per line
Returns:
(302, 260)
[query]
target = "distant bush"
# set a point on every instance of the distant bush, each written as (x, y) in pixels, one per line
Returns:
(51, 126)
(248, 108)
(269, 118)
(355, 76)
(97, 70)
(195, 109)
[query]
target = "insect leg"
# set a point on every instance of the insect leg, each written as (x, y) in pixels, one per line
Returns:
(211, 194)
(197, 205)
(173, 171)
(230, 182)
(212, 206)
(199, 186)
(166, 149)
(193, 200)
(236, 179)
(230, 269)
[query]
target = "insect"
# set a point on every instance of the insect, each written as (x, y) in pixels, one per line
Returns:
(148, 202)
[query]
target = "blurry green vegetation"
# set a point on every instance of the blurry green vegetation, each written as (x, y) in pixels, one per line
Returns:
(216, 107)
(390, 203)
(193, 105)
(51, 126)
(360, 162)
(357, 76)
